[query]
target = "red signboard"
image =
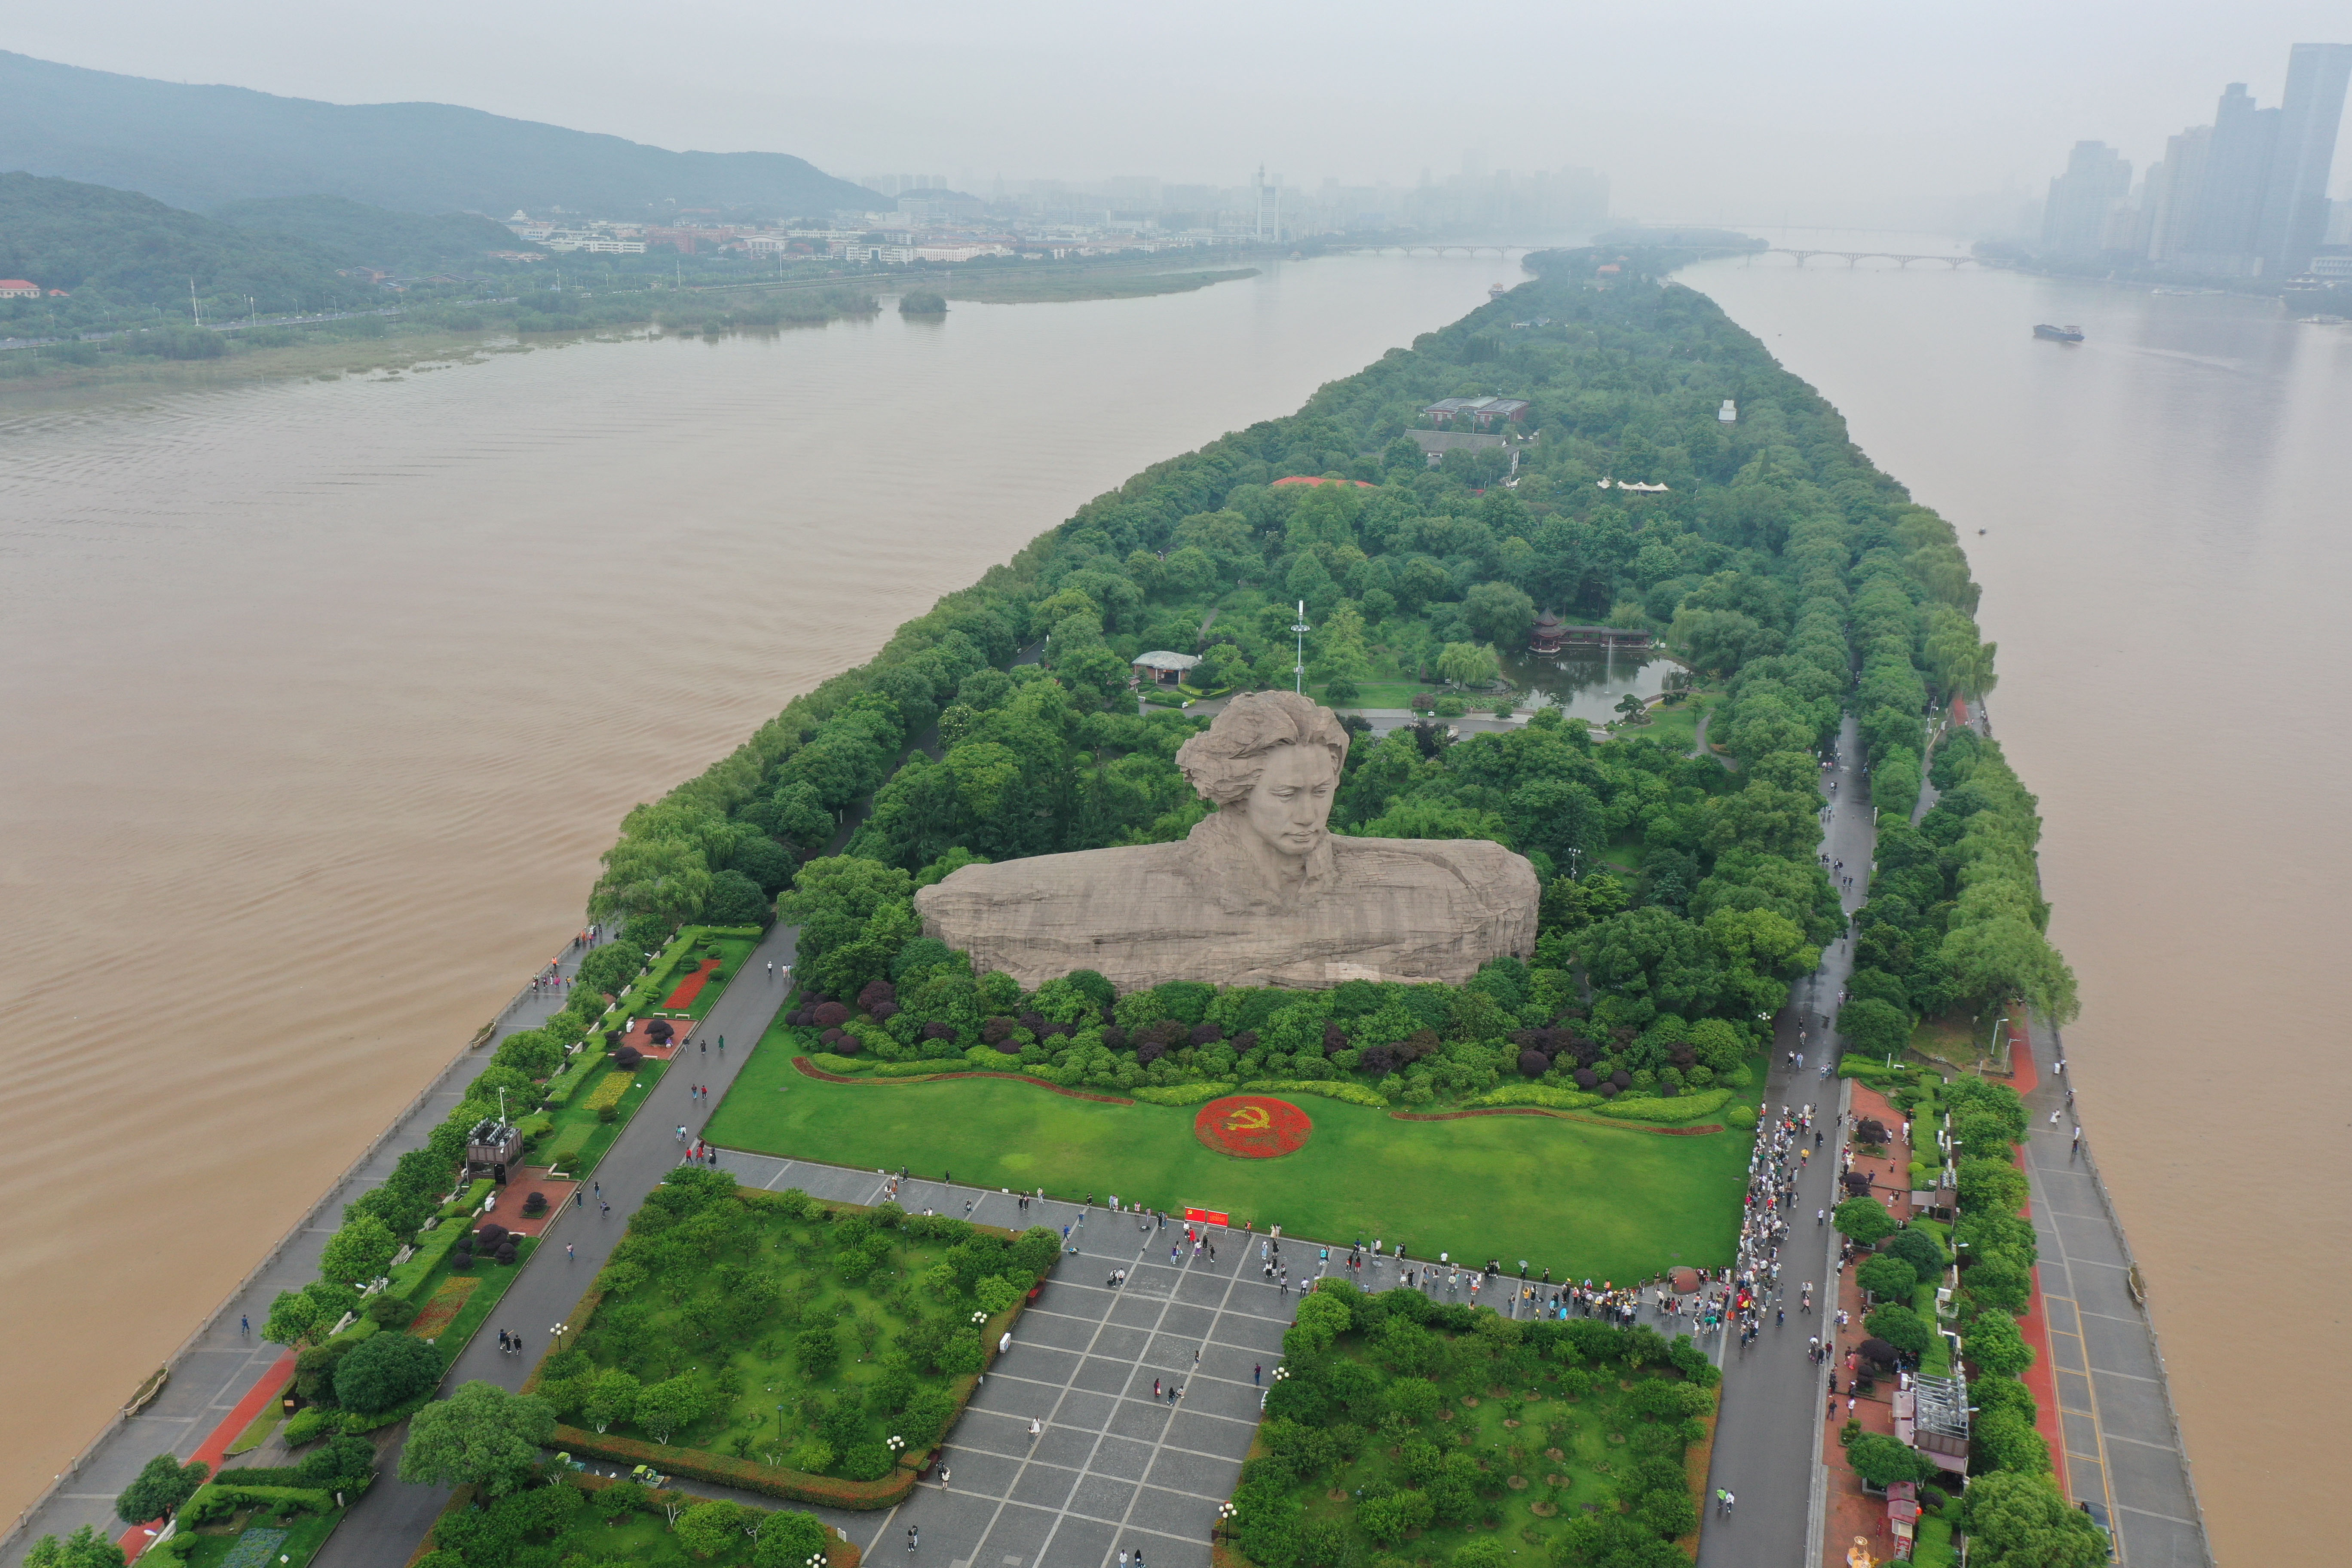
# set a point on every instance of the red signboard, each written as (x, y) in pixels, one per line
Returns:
(1207, 1216)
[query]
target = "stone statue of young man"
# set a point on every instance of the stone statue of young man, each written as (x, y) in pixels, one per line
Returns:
(1261, 893)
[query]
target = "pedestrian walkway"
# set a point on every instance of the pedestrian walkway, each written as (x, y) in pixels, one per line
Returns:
(219, 1363)
(2123, 1444)
(1767, 1437)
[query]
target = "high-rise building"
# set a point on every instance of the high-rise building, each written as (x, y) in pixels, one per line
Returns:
(2098, 179)
(2293, 215)
(2202, 202)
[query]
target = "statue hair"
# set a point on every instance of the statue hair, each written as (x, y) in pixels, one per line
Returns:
(1223, 762)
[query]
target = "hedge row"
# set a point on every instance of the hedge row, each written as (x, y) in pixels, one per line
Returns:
(771, 1480)
(1551, 1096)
(1329, 1088)
(1681, 1108)
(1178, 1093)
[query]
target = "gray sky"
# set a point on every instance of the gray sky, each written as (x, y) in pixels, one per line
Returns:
(1855, 111)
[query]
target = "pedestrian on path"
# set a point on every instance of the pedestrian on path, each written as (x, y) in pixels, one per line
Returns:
(913, 1539)
(1035, 1431)
(245, 1326)
(567, 1252)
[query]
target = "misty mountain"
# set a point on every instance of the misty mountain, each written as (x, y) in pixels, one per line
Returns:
(353, 234)
(102, 244)
(202, 147)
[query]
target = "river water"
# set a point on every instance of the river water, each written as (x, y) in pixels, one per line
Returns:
(321, 700)
(2165, 557)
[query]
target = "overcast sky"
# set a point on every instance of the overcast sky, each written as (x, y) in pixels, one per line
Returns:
(1853, 111)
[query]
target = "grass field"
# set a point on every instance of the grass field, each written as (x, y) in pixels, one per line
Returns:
(1579, 1199)
(1677, 726)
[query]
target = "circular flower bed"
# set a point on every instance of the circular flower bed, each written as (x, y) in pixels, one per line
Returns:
(1252, 1126)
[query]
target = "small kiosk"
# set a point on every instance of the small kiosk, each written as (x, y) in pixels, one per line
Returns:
(493, 1149)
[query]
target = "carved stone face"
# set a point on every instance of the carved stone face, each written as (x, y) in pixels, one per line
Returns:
(1291, 804)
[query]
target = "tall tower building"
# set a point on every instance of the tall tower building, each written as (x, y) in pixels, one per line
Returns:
(2097, 177)
(2244, 138)
(2294, 214)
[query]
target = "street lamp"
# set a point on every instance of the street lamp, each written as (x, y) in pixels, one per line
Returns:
(1298, 670)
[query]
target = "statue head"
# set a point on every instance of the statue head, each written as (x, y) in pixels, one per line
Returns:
(1272, 758)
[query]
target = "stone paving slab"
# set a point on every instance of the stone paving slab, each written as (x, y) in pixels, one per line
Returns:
(2124, 1448)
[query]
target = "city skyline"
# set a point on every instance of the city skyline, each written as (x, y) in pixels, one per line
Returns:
(2245, 195)
(1843, 114)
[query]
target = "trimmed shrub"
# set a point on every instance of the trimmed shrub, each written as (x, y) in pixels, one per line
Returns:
(1681, 1108)
(829, 1016)
(388, 1370)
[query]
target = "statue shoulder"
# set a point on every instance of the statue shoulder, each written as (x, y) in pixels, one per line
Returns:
(1049, 876)
(1479, 861)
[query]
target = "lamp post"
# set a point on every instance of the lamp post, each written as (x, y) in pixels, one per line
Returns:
(1298, 670)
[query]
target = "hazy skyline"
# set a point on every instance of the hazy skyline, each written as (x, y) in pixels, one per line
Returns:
(1845, 111)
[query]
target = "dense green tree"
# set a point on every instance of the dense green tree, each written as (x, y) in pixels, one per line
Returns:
(360, 1251)
(1889, 1278)
(480, 1435)
(1862, 1220)
(1901, 1327)
(1991, 1186)
(161, 1486)
(2020, 1521)
(1874, 1028)
(385, 1371)
(1993, 1345)
(1882, 1461)
(85, 1548)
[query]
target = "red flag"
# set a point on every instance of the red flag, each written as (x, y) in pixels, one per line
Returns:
(1207, 1216)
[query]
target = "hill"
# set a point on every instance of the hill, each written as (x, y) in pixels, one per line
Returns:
(202, 147)
(353, 234)
(133, 250)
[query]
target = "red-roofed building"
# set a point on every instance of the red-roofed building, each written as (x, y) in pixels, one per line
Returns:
(18, 288)
(1312, 479)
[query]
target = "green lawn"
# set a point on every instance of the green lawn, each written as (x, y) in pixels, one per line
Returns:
(304, 1536)
(575, 1115)
(1581, 1199)
(1677, 726)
